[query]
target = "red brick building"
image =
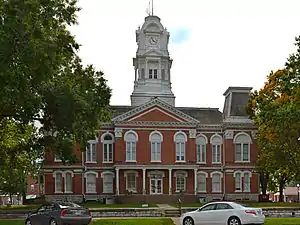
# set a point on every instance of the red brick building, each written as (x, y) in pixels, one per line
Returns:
(152, 150)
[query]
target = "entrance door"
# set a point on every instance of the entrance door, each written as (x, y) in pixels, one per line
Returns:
(156, 186)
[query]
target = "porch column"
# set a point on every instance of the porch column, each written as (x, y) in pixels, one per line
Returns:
(144, 181)
(117, 182)
(195, 181)
(170, 181)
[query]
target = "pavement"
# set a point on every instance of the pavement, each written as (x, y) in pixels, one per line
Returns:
(175, 220)
(165, 206)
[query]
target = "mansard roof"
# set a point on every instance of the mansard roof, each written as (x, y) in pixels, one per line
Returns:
(204, 115)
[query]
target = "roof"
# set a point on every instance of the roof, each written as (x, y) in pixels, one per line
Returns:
(204, 115)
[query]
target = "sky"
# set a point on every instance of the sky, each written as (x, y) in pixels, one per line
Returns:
(214, 44)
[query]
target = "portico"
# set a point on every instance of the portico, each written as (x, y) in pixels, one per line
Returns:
(157, 179)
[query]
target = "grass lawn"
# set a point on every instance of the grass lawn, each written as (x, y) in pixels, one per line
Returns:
(253, 204)
(159, 221)
(87, 205)
(280, 221)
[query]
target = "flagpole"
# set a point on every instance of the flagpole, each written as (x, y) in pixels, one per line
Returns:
(152, 7)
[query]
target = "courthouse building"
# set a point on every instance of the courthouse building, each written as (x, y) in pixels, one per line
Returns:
(153, 151)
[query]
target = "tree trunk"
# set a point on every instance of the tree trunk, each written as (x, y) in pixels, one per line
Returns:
(281, 186)
(263, 182)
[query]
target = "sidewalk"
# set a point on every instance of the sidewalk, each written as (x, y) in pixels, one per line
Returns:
(175, 220)
(165, 206)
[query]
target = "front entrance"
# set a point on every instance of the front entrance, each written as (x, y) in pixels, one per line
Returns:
(156, 186)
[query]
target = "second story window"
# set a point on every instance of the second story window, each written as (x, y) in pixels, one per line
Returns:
(155, 73)
(216, 143)
(131, 141)
(180, 141)
(201, 149)
(107, 140)
(91, 152)
(242, 143)
(152, 73)
(155, 142)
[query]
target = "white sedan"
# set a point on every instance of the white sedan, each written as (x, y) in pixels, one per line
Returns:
(225, 213)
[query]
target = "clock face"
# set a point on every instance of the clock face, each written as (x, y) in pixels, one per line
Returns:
(153, 40)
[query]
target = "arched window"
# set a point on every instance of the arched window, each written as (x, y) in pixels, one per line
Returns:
(216, 143)
(108, 182)
(155, 142)
(180, 139)
(107, 139)
(201, 142)
(131, 139)
(91, 182)
(58, 175)
(68, 181)
(91, 151)
(216, 181)
(201, 184)
(180, 180)
(242, 143)
(238, 181)
(247, 182)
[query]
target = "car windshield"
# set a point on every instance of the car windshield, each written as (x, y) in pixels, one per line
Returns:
(68, 204)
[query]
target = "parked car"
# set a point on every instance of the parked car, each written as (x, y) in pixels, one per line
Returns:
(59, 213)
(225, 213)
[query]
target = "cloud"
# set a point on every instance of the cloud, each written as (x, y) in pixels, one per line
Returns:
(179, 35)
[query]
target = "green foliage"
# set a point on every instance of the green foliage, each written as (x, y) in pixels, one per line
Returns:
(43, 81)
(44, 77)
(275, 109)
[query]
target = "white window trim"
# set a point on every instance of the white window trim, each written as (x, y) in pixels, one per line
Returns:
(221, 176)
(105, 142)
(85, 175)
(55, 187)
(206, 176)
(212, 154)
(107, 173)
(250, 175)
(235, 141)
(137, 139)
(241, 175)
(150, 140)
(179, 142)
(201, 149)
(86, 153)
(214, 142)
(136, 176)
(65, 181)
(177, 174)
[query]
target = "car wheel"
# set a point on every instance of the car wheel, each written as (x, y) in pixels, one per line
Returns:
(53, 222)
(188, 221)
(28, 222)
(234, 221)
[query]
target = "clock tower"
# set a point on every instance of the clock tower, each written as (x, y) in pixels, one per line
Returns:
(152, 64)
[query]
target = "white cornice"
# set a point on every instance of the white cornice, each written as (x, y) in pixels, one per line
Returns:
(155, 102)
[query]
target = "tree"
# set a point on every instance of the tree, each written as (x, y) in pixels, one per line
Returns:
(275, 109)
(43, 79)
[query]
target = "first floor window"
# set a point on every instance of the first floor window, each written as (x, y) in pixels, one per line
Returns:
(91, 183)
(180, 182)
(58, 182)
(68, 181)
(108, 183)
(201, 185)
(238, 182)
(216, 183)
(131, 181)
(216, 153)
(246, 182)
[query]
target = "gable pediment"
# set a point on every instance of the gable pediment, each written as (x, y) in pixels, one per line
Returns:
(153, 52)
(155, 110)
